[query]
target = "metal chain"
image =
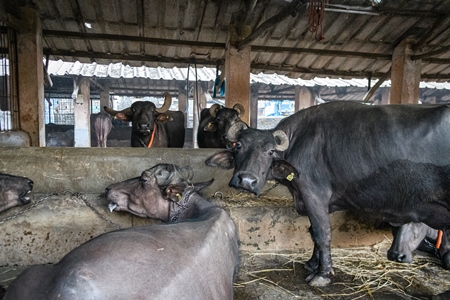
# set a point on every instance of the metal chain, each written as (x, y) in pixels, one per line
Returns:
(27, 208)
(81, 196)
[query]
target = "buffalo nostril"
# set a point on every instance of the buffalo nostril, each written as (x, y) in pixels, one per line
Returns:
(248, 182)
(401, 257)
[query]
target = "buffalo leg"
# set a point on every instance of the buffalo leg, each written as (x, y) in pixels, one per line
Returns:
(313, 263)
(444, 249)
(321, 236)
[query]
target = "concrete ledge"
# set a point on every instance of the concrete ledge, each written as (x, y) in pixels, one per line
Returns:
(90, 170)
(53, 225)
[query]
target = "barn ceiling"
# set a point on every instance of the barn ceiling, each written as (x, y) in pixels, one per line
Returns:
(346, 39)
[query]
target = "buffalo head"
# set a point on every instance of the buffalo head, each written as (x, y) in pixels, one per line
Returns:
(224, 118)
(151, 194)
(255, 157)
(14, 191)
(143, 114)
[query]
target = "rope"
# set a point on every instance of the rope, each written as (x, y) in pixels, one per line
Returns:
(316, 13)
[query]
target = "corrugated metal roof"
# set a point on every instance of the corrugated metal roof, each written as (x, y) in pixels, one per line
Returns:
(119, 70)
(357, 41)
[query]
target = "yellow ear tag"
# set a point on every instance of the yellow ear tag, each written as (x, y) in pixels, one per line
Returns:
(290, 177)
(178, 196)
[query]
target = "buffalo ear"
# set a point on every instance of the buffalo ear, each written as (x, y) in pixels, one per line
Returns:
(282, 170)
(162, 118)
(175, 191)
(222, 159)
(123, 117)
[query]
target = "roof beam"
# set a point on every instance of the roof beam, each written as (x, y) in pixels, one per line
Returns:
(210, 45)
(129, 38)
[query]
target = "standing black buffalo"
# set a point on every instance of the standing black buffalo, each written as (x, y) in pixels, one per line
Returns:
(195, 256)
(152, 126)
(14, 191)
(320, 151)
(214, 124)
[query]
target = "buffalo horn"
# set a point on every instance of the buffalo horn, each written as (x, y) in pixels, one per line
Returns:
(214, 109)
(167, 103)
(239, 108)
(284, 141)
(231, 133)
(112, 112)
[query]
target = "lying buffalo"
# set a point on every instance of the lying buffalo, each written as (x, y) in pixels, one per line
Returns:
(214, 124)
(194, 256)
(14, 191)
(152, 126)
(321, 151)
(414, 236)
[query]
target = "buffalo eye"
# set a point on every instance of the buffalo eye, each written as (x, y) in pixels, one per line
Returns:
(271, 152)
(238, 145)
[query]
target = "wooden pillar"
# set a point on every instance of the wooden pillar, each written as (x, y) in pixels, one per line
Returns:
(104, 97)
(237, 73)
(254, 105)
(81, 110)
(303, 98)
(405, 75)
(31, 76)
(199, 104)
(182, 102)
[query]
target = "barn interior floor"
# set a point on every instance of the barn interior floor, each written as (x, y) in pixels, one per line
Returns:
(360, 273)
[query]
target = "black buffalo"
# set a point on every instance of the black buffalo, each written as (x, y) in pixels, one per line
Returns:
(14, 191)
(194, 256)
(214, 124)
(102, 126)
(414, 236)
(321, 151)
(60, 139)
(152, 126)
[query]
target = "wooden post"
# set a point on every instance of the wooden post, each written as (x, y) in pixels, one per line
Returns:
(81, 110)
(303, 98)
(237, 73)
(405, 75)
(254, 105)
(31, 76)
(104, 97)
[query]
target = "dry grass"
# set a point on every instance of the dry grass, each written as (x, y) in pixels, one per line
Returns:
(369, 269)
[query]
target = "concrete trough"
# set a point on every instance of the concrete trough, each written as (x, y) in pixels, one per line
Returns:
(68, 206)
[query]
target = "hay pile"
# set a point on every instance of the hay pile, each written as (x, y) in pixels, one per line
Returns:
(360, 273)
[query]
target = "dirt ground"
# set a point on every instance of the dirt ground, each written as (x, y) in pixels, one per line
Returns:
(360, 273)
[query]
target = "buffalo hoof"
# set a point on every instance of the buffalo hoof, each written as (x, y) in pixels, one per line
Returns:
(311, 265)
(318, 281)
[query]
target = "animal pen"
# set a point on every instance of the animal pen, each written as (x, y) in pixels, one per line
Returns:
(68, 208)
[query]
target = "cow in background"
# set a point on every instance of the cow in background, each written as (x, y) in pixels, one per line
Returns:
(152, 126)
(330, 157)
(194, 256)
(102, 125)
(14, 191)
(214, 124)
